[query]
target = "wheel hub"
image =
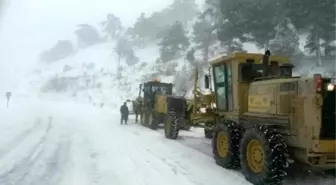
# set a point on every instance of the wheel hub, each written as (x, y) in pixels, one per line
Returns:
(255, 156)
(222, 144)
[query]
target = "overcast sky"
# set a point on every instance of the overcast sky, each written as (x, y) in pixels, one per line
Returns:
(29, 26)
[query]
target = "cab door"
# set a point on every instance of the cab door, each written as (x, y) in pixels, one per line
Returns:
(223, 87)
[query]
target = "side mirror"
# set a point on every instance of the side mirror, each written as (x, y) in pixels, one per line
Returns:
(207, 81)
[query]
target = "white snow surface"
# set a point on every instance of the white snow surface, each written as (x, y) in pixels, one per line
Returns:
(57, 142)
(67, 143)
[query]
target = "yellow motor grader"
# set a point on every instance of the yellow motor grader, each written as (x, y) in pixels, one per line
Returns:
(158, 105)
(267, 119)
(200, 109)
(198, 112)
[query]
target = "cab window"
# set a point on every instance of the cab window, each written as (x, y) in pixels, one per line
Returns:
(223, 87)
(229, 87)
(220, 78)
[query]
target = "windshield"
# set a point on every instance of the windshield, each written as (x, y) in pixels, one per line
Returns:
(160, 90)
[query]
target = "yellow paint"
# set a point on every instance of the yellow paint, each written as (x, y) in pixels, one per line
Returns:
(259, 101)
(241, 57)
(327, 146)
(255, 156)
(222, 144)
(160, 104)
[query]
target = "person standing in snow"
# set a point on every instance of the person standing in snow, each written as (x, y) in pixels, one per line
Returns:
(124, 113)
(8, 95)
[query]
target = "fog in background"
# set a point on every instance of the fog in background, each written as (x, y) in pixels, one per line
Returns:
(29, 27)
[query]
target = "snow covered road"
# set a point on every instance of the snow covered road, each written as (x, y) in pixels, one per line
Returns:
(59, 143)
(62, 143)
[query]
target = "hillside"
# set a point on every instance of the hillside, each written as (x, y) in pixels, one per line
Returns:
(92, 72)
(90, 75)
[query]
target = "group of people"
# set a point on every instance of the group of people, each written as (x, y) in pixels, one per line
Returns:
(125, 112)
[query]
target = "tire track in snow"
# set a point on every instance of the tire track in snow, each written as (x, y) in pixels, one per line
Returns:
(53, 169)
(21, 169)
(15, 143)
(91, 157)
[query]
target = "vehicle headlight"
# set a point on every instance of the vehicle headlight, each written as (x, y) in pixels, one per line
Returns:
(203, 110)
(330, 87)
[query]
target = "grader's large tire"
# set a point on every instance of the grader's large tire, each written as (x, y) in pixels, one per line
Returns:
(171, 126)
(142, 119)
(225, 144)
(208, 133)
(209, 129)
(150, 120)
(153, 122)
(263, 156)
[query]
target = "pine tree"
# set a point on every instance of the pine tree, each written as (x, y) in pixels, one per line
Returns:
(124, 50)
(174, 42)
(87, 35)
(256, 18)
(112, 26)
(62, 49)
(286, 41)
(315, 18)
(183, 11)
(204, 36)
(190, 57)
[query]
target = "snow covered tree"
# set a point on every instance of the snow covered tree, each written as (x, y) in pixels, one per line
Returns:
(286, 41)
(256, 18)
(190, 57)
(62, 49)
(130, 57)
(183, 11)
(231, 37)
(112, 26)
(204, 36)
(315, 18)
(124, 50)
(87, 35)
(228, 34)
(144, 30)
(173, 42)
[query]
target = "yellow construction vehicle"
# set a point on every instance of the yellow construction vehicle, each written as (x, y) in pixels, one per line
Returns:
(266, 118)
(200, 109)
(158, 105)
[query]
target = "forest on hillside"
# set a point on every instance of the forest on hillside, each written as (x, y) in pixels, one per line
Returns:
(183, 27)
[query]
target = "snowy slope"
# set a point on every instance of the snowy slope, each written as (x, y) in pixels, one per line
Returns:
(90, 74)
(95, 66)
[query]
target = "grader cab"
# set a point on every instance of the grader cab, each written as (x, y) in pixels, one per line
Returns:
(265, 117)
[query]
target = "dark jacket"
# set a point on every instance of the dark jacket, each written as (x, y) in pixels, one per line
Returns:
(124, 110)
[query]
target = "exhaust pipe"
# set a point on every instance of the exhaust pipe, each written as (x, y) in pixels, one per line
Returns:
(265, 62)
